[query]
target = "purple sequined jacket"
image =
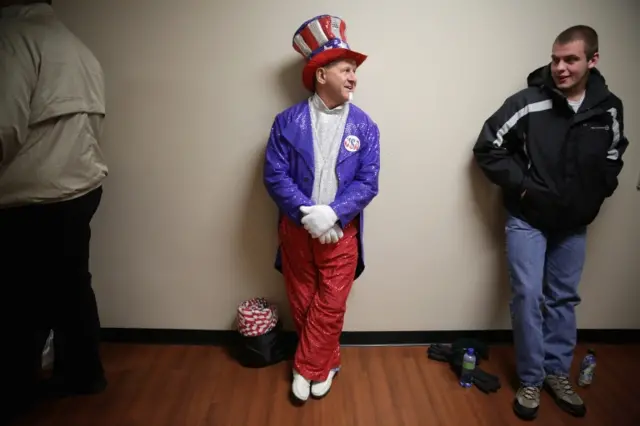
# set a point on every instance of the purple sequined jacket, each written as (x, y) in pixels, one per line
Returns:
(289, 168)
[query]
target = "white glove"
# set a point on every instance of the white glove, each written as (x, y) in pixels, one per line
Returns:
(332, 236)
(318, 219)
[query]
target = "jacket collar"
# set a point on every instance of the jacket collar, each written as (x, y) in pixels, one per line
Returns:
(299, 134)
(318, 104)
(597, 89)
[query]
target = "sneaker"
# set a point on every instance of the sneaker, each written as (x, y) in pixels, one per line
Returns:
(526, 402)
(300, 389)
(321, 389)
(564, 395)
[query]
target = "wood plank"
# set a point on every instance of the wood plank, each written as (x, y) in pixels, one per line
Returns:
(387, 386)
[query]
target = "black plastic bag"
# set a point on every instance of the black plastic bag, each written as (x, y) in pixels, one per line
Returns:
(261, 351)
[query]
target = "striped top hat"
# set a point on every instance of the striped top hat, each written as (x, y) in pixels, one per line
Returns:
(322, 40)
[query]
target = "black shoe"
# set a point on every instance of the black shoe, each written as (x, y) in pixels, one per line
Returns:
(16, 409)
(59, 387)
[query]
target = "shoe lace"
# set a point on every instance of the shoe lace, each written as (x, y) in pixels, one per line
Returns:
(564, 384)
(531, 392)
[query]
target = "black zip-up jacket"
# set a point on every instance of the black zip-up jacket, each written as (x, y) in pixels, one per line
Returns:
(568, 163)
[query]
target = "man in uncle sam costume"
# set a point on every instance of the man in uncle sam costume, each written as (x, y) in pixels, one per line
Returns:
(321, 170)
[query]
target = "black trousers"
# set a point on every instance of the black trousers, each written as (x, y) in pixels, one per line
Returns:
(45, 285)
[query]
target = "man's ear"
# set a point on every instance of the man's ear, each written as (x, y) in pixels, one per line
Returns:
(594, 60)
(321, 75)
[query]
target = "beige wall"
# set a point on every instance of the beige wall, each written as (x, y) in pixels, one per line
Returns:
(186, 230)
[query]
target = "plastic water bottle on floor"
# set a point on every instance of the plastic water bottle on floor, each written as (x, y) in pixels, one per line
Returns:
(468, 366)
(587, 369)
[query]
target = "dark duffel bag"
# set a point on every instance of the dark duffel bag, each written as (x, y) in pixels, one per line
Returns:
(262, 350)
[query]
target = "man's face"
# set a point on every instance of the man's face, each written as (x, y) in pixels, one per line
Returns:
(569, 64)
(338, 80)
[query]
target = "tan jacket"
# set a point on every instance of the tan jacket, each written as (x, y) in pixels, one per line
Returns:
(52, 106)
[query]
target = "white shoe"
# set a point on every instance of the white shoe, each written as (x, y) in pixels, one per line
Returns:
(300, 387)
(321, 389)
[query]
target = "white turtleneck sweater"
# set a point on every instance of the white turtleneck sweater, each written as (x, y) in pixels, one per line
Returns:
(328, 129)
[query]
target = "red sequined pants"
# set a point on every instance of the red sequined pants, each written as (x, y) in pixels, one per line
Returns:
(318, 278)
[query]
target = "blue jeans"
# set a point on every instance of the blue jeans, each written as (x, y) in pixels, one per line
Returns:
(544, 272)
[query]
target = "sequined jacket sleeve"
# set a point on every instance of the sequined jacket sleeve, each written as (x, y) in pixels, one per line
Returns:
(277, 177)
(364, 187)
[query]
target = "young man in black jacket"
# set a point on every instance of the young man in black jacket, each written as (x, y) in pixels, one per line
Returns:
(555, 149)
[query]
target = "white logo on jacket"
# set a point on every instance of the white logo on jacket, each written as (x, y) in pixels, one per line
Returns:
(352, 143)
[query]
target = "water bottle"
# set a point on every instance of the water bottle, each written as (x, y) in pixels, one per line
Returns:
(587, 369)
(468, 366)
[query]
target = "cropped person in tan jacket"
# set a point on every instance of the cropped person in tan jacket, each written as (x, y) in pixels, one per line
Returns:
(52, 106)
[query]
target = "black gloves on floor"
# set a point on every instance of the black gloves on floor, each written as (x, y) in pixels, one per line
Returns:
(453, 355)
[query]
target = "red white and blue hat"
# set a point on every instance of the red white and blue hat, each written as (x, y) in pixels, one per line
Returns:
(322, 40)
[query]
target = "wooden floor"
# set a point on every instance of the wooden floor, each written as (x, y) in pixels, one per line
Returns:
(199, 385)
